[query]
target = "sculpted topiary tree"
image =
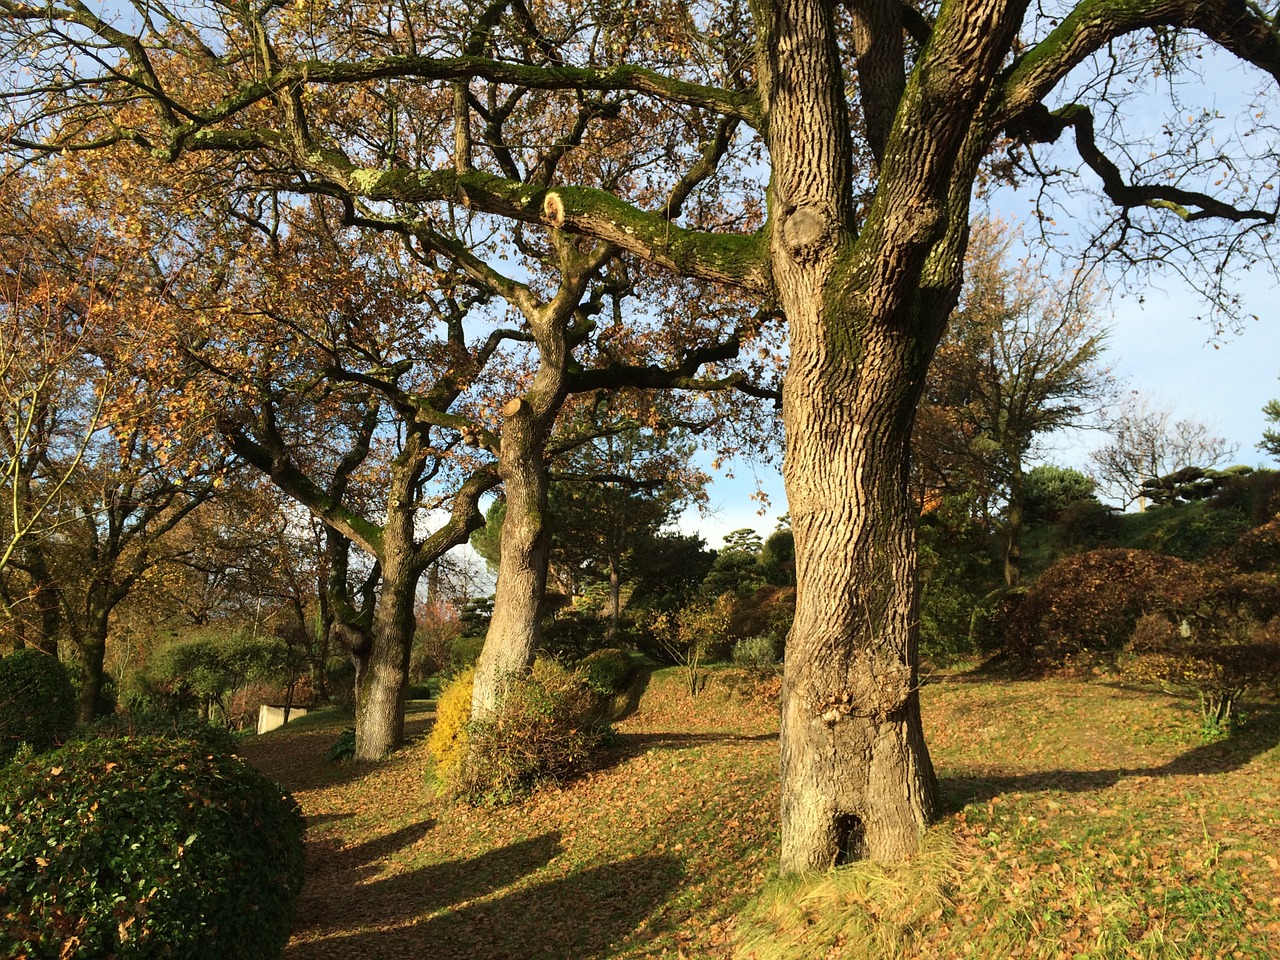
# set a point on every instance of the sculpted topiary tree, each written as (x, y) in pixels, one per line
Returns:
(876, 118)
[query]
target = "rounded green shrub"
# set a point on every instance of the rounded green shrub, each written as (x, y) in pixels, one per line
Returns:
(141, 848)
(607, 671)
(167, 724)
(37, 702)
(756, 653)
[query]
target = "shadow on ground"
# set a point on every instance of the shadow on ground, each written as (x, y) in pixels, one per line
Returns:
(299, 760)
(1224, 756)
(449, 909)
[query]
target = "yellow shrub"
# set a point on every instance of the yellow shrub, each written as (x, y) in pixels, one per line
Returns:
(448, 742)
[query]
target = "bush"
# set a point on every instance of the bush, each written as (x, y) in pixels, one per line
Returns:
(607, 671)
(543, 730)
(448, 740)
(341, 684)
(756, 653)
(37, 702)
(572, 634)
(437, 629)
(108, 693)
(146, 848)
(769, 610)
(1085, 524)
(1091, 602)
(1172, 655)
(174, 725)
(1048, 490)
(1254, 495)
(344, 748)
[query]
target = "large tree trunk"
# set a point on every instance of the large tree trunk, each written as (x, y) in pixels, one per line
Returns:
(866, 299)
(515, 629)
(856, 776)
(382, 677)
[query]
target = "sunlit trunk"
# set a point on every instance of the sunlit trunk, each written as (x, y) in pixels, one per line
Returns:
(515, 629)
(856, 776)
(380, 685)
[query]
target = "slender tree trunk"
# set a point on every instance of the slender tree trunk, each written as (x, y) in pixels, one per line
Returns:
(92, 647)
(615, 597)
(525, 548)
(1013, 528)
(47, 604)
(381, 685)
(515, 630)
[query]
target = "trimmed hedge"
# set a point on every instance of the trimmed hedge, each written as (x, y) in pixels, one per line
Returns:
(1091, 601)
(141, 848)
(606, 672)
(37, 703)
(178, 725)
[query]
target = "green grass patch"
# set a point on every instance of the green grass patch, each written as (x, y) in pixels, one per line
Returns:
(1081, 819)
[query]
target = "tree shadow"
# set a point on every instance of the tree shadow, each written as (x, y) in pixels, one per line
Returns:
(344, 890)
(1224, 756)
(628, 745)
(628, 702)
(299, 760)
(581, 915)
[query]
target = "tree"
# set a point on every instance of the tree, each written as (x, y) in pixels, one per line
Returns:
(1270, 443)
(618, 487)
(1147, 444)
(92, 496)
(1051, 489)
(52, 397)
(861, 249)
(1020, 360)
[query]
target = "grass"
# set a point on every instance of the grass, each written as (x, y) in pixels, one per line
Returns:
(1082, 819)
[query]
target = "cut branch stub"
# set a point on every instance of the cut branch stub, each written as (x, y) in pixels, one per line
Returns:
(806, 231)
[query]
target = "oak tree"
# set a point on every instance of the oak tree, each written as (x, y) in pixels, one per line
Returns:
(876, 118)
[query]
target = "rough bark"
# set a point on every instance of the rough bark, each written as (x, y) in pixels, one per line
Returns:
(866, 304)
(383, 675)
(382, 671)
(525, 546)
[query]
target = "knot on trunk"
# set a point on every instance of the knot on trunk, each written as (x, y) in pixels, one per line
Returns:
(553, 209)
(877, 691)
(807, 231)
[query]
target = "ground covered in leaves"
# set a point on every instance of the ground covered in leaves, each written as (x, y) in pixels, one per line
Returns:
(1083, 819)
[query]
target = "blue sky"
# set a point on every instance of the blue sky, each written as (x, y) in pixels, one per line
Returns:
(1159, 345)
